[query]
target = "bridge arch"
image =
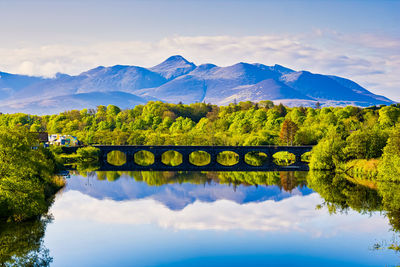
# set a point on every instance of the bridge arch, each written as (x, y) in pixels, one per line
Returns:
(116, 158)
(199, 158)
(284, 158)
(144, 158)
(256, 158)
(172, 158)
(228, 158)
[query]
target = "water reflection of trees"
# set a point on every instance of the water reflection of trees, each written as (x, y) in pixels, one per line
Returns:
(390, 193)
(22, 244)
(284, 180)
(341, 193)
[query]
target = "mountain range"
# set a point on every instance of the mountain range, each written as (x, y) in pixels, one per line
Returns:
(178, 80)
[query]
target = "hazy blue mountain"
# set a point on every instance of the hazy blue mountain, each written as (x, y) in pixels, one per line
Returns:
(10, 84)
(277, 68)
(57, 104)
(322, 87)
(281, 69)
(119, 78)
(186, 89)
(224, 82)
(266, 89)
(178, 80)
(356, 88)
(101, 79)
(173, 67)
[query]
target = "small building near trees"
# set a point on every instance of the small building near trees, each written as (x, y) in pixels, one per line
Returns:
(63, 140)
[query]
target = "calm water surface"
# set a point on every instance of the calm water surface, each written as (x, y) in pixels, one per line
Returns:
(194, 219)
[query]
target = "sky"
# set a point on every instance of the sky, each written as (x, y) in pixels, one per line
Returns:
(359, 40)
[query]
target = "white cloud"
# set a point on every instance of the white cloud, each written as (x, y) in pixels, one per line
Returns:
(291, 214)
(26, 67)
(373, 61)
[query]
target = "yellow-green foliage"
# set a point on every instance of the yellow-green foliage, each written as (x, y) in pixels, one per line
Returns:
(363, 168)
(26, 175)
(284, 158)
(340, 194)
(22, 244)
(328, 153)
(390, 192)
(88, 153)
(286, 180)
(256, 158)
(389, 167)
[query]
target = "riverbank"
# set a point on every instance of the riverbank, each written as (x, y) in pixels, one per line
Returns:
(28, 180)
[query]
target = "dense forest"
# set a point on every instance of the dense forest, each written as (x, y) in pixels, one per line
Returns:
(364, 138)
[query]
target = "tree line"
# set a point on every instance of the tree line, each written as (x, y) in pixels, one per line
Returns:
(245, 123)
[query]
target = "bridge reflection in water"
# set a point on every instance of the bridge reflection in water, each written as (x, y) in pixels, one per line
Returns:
(214, 154)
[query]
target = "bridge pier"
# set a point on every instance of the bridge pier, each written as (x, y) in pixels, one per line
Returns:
(185, 159)
(241, 159)
(270, 160)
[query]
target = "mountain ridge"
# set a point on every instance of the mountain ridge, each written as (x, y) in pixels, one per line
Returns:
(178, 80)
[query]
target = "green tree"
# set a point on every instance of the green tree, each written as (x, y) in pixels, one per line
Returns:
(26, 175)
(88, 153)
(112, 111)
(389, 167)
(328, 153)
(365, 144)
(388, 116)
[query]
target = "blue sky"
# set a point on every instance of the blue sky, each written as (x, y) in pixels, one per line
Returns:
(359, 40)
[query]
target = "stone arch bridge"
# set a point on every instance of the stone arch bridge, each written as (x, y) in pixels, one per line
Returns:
(213, 151)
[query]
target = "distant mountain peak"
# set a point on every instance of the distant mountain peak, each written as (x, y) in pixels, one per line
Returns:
(174, 61)
(176, 58)
(173, 67)
(243, 65)
(282, 69)
(60, 75)
(92, 71)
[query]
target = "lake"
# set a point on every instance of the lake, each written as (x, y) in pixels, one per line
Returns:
(212, 219)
